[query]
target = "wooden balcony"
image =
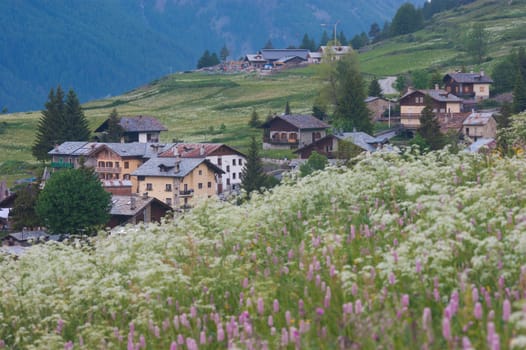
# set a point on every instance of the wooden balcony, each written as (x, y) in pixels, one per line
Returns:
(62, 165)
(110, 170)
(187, 193)
(279, 141)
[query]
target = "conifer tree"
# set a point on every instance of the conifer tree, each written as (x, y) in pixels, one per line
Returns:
(324, 38)
(375, 89)
(254, 121)
(23, 213)
(76, 126)
(224, 53)
(519, 94)
(253, 178)
(115, 130)
(50, 125)
(287, 108)
(429, 128)
(350, 109)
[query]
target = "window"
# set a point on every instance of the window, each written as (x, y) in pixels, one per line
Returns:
(109, 165)
(140, 178)
(149, 187)
(219, 161)
(481, 89)
(117, 164)
(228, 168)
(126, 176)
(126, 165)
(228, 181)
(233, 162)
(233, 175)
(240, 175)
(467, 131)
(169, 201)
(101, 164)
(200, 185)
(116, 176)
(209, 184)
(200, 172)
(240, 161)
(168, 187)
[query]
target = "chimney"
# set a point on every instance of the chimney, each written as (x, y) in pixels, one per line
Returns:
(481, 73)
(145, 195)
(436, 87)
(202, 150)
(132, 203)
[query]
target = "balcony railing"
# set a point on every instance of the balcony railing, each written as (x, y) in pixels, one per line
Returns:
(112, 170)
(62, 165)
(186, 193)
(280, 141)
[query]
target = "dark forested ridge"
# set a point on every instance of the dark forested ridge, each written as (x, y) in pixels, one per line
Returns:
(103, 48)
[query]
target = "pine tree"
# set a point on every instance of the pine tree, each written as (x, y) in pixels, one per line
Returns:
(342, 39)
(375, 89)
(287, 108)
(429, 128)
(254, 121)
(268, 45)
(76, 126)
(115, 130)
(253, 178)
(519, 94)
(350, 109)
(324, 38)
(224, 53)
(50, 126)
(23, 213)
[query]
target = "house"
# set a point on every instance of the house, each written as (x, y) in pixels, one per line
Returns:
(118, 187)
(144, 129)
(176, 181)
(255, 61)
(111, 161)
(230, 160)
(334, 53)
(277, 57)
(412, 104)
(28, 238)
(292, 131)
(133, 209)
(474, 86)
(314, 57)
(378, 106)
(331, 145)
(479, 125)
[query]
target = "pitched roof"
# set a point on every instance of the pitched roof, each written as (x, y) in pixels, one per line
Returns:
(480, 143)
(300, 121)
(362, 140)
(172, 167)
(131, 205)
(481, 118)
(336, 50)
(132, 149)
(196, 150)
(436, 94)
(276, 54)
(140, 123)
(255, 58)
(73, 148)
(473, 78)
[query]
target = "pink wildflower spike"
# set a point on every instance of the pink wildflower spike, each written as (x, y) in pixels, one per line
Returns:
(193, 311)
(202, 338)
(506, 310)
(358, 306)
(418, 266)
(220, 333)
(245, 283)
(474, 294)
(426, 318)
(287, 317)
(191, 344)
(2, 344)
(290, 254)
(142, 341)
(466, 344)
(405, 300)
(180, 339)
(490, 334)
(436, 294)
(270, 321)
(332, 271)
(477, 311)
(173, 346)
(392, 278)
(501, 282)
(275, 306)
(60, 325)
(446, 329)
(320, 311)
(284, 337)
(260, 306)
(354, 289)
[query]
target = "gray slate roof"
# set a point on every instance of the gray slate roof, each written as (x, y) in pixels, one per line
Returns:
(132, 149)
(141, 123)
(171, 167)
(276, 54)
(362, 140)
(71, 148)
(437, 95)
(128, 205)
(473, 78)
(301, 121)
(478, 118)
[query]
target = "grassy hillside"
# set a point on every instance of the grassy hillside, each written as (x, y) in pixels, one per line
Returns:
(194, 106)
(397, 252)
(440, 44)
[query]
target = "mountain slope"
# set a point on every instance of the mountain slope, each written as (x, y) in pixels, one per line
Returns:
(103, 48)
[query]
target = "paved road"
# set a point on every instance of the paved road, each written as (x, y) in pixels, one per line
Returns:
(387, 85)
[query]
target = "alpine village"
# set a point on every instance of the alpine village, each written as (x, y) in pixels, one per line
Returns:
(333, 194)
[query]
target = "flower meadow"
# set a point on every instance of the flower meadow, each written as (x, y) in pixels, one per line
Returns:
(397, 252)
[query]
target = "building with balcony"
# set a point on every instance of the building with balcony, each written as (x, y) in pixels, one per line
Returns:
(292, 131)
(230, 160)
(468, 86)
(143, 129)
(178, 182)
(480, 125)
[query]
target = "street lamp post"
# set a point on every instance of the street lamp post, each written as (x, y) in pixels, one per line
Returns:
(334, 29)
